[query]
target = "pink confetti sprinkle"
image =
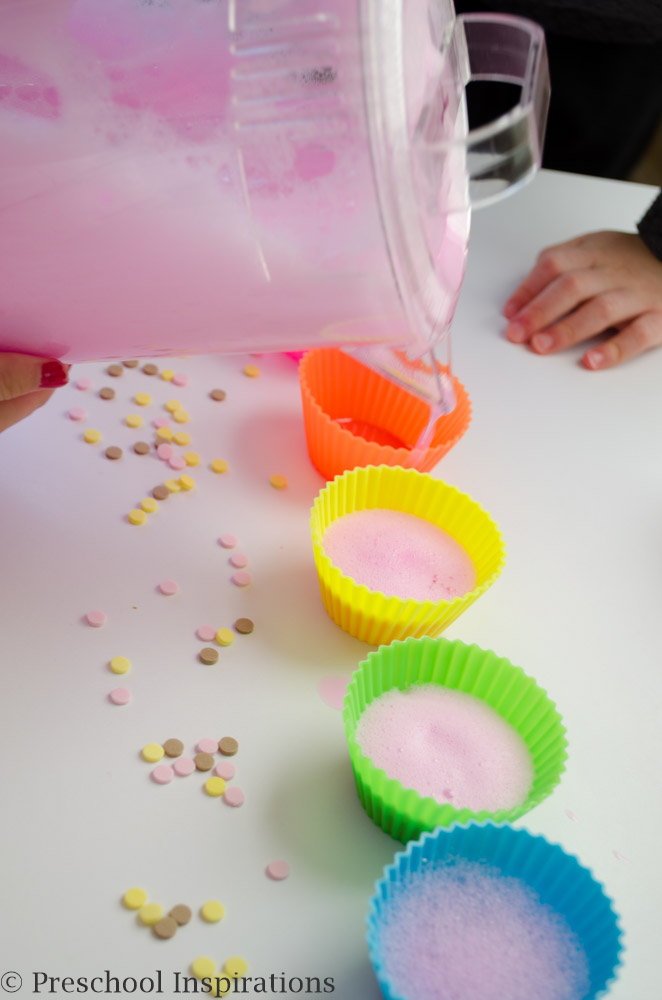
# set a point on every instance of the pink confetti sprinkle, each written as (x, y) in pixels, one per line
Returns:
(207, 745)
(83, 384)
(168, 587)
(164, 451)
(227, 541)
(242, 578)
(206, 633)
(77, 413)
(183, 766)
(161, 422)
(177, 462)
(233, 796)
(619, 856)
(96, 618)
(571, 815)
(120, 696)
(238, 560)
(224, 769)
(278, 870)
(180, 379)
(163, 774)
(332, 690)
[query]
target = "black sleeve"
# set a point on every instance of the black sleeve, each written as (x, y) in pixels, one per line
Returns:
(650, 227)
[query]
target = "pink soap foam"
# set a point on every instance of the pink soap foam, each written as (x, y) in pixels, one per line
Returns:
(400, 555)
(466, 932)
(448, 745)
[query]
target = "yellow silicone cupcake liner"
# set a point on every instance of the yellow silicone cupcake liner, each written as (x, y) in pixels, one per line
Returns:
(354, 416)
(375, 617)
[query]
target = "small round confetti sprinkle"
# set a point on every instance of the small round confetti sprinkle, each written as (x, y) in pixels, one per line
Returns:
(164, 434)
(180, 379)
(180, 417)
(208, 656)
(235, 967)
(227, 541)
(228, 746)
(242, 578)
(192, 458)
(173, 405)
(120, 696)
(137, 516)
(152, 752)
(212, 911)
(149, 504)
(244, 626)
(141, 448)
(183, 766)
(181, 437)
(278, 482)
(165, 928)
(278, 870)
(120, 665)
(203, 967)
(159, 422)
(151, 913)
(164, 451)
(203, 761)
(131, 363)
(160, 492)
(77, 413)
(214, 786)
(96, 618)
(206, 745)
(218, 395)
(181, 913)
(239, 560)
(167, 374)
(150, 369)
(218, 465)
(107, 393)
(233, 796)
(173, 748)
(168, 587)
(92, 436)
(115, 370)
(134, 898)
(142, 398)
(177, 462)
(224, 637)
(163, 774)
(206, 633)
(113, 453)
(224, 769)
(133, 420)
(186, 482)
(83, 384)
(252, 371)
(173, 485)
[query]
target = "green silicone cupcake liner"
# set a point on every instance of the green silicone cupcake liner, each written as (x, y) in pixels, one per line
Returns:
(402, 812)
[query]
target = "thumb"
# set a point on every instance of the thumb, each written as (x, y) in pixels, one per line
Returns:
(22, 373)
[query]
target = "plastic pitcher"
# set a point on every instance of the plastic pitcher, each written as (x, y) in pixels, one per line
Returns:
(194, 176)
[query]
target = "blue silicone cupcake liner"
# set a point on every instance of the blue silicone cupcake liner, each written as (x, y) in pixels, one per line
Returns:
(557, 878)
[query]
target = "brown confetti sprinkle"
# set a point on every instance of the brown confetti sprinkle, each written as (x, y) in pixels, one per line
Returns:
(150, 369)
(181, 913)
(173, 748)
(228, 746)
(107, 392)
(218, 395)
(244, 626)
(115, 370)
(113, 452)
(204, 761)
(208, 655)
(141, 448)
(160, 492)
(165, 928)
(132, 363)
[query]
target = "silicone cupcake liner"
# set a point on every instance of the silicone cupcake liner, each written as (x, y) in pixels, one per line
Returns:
(370, 615)
(557, 877)
(402, 812)
(387, 420)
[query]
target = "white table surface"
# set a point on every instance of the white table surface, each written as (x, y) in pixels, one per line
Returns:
(568, 462)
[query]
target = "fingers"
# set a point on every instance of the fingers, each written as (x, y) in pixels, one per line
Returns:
(603, 312)
(22, 373)
(557, 299)
(551, 264)
(13, 410)
(640, 335)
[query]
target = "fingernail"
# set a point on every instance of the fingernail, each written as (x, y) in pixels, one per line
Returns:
(509, 310)
(542, 342)
(516, 333)
(594, 359)
(53, 374)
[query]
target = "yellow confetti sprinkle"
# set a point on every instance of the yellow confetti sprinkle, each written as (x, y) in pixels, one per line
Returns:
(167, 374)
(278, 482)
(152, 752)
(173, 405)
(137, 516)
(134, 898)
(149, 505)
(181, 437)
(212, 911)
(225, 637)
(172, 485)
(192, 458)
(203, 967)
(214, 787)
(92, 436)
(181, 416)
(252, 371)
(151, 913)
(186, 482)
(236, 967)
(142, 398)
(120, 665)
(134, 420)
(164, 434)
(219, 465)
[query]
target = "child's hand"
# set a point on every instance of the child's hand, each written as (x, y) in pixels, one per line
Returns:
(25, 384)
(598, 283)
